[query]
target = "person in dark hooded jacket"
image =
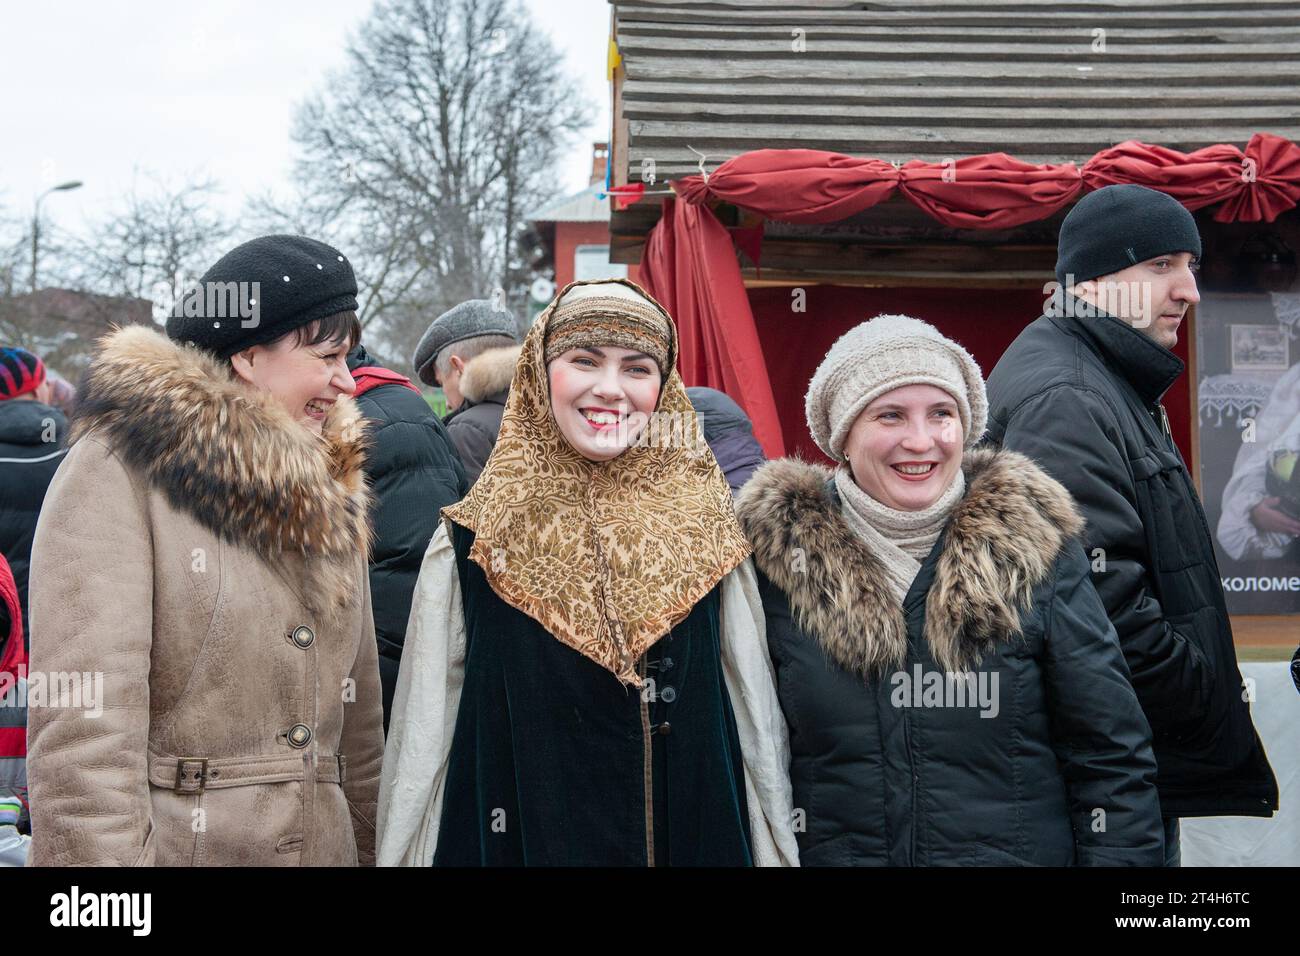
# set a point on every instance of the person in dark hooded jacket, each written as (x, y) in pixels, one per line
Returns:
(1079, 392)
(413, 472)
(728, 433)
(33, 436)
(954, 692)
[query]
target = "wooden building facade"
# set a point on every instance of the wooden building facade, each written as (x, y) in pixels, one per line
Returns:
(697, 83)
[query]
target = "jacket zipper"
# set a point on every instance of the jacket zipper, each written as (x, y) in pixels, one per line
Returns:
(1164, 422)
(911, 769)
(647, 750)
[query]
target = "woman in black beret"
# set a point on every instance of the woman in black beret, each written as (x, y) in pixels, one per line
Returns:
(202, 554)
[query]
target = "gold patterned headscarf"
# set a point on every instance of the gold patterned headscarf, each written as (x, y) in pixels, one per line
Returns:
(607, 556)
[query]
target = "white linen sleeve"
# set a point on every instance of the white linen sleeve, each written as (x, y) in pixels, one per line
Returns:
(423, 718)
(764, 737)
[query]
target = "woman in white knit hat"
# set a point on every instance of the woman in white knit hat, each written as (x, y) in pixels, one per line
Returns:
(954, 692)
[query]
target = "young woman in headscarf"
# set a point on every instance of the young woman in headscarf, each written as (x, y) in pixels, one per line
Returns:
(954, 690)
(584, 680)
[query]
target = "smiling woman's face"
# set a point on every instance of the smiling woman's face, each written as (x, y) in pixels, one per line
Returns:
(602, 398)
(306, 379)
(905, 447)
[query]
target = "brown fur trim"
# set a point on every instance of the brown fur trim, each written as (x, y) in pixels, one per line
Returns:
(231, 456)
(1001, 541)
(489, 372)
(837, 587)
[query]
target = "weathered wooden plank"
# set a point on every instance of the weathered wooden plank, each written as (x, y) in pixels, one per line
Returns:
(850, 48)
(740, 32)
(668, 6)
(971, 16)
(848, 96)
(1085, 131)
(1099, 92)
(969, 116)
(1013, 72)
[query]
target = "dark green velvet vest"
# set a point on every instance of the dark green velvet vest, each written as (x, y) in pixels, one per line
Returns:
(548, 762)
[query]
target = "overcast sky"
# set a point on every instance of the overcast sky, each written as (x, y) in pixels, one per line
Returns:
(99, 90)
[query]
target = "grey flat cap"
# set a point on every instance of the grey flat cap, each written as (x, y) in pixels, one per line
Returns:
(468, 320)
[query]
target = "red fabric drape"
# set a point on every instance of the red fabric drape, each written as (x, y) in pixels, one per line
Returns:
(994, 191)
(997, 191)
(1274, 163)
(1196, 179)
(795, 185)
(1255, 186)
(690, 267)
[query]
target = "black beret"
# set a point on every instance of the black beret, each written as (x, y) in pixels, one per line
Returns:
(262, 290)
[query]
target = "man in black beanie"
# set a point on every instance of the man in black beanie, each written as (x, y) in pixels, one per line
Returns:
(1079, 391)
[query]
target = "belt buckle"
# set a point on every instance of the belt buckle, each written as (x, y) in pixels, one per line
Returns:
(180, 774)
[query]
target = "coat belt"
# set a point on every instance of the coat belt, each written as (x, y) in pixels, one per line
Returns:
(196, 774)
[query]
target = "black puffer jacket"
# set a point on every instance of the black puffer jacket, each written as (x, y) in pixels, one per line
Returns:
(33, 441)
(1081, 396)
(729, 434)
(413, 472)
(1043, 758)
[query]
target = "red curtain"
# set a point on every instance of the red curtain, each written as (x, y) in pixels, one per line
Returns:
(690, 263)
(690, 267)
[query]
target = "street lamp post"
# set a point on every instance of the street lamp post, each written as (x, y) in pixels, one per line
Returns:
(36, 221)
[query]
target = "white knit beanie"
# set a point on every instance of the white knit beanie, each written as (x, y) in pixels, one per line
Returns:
(883, 354)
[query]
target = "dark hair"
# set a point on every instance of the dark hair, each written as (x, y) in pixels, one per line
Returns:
(332, 328)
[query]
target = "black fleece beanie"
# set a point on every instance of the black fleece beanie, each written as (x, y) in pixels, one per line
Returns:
(1120, 226)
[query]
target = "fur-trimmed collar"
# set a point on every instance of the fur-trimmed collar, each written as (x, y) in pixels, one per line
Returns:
(1000, 542)
(231, 456)
(489, 373)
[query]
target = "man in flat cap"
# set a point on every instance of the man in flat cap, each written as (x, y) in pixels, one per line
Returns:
(471, 352)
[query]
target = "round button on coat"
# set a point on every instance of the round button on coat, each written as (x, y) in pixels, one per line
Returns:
(303, 636)
(299, 735)
(665, 729)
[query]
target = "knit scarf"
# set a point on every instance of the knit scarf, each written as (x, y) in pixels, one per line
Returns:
(901, 539)
(607, 556)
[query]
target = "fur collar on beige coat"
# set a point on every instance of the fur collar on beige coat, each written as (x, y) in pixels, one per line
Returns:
(205, 554)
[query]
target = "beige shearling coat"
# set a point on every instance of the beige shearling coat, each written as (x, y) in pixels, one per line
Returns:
(207, 555)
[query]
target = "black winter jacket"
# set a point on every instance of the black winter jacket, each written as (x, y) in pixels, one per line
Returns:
(414, 473)
(729, 434)
(1040, 757)
(33, 441)
(1081, 396)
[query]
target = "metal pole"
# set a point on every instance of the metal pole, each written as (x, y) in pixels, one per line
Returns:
(36, 221)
